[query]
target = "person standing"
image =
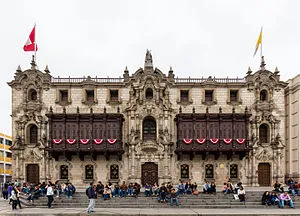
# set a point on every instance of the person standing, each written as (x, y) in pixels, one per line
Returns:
(50, 193)
(9, 190)
(18, 192)
(5, 191)
(14, 199)
(91, 193)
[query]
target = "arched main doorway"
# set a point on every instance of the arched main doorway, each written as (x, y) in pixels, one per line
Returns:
(149, 173)
(264, 174)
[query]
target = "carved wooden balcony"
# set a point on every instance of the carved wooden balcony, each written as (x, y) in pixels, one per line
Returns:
(89, 133)
(212, 132)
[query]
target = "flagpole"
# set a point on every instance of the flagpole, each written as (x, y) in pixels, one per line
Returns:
(35, 42)
(261, 43)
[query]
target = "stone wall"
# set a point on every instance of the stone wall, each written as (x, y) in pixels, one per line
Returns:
(292, 129)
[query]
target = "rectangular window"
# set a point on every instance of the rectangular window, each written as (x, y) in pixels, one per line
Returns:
(234, 95)
(233, 171)
(8, 142)
(90, 97)
(63, 96)
(8, 154)
(184, 170)
(209, 171)
(1, 141)
(209, 95)
(89, 172)
(184, 95)
(114, 95)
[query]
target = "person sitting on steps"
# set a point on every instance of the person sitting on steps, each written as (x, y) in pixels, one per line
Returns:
(266, 199)
(275, 200)
(286, 199)
(206, 187)
(173, 197)
(163, 193)
(213, 187)
(229, 188)
(123, 189)
(277, 187)
(242, 194)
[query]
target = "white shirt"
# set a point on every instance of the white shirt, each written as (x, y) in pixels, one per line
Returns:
(241, 192)
(50, 191)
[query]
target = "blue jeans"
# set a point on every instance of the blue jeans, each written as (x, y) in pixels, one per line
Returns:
(163, 197)
(69, 194)
(180, 191)
(292, 191)
(130, 191)
(287, 201)
(116, 192)
(123, 193)
(172, 201)
(147, 193)
(106, 196)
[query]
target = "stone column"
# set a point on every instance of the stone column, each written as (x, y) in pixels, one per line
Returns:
(132, 161)
(254, 174)
(167, 170)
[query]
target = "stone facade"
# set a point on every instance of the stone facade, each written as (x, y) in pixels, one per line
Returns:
(150, 94)
(292, 97)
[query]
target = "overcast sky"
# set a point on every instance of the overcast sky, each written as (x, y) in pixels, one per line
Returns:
(99, 38)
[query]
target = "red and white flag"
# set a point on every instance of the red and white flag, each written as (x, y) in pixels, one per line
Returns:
(30, 44)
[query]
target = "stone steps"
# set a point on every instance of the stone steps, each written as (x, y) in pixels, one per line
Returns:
(219, 200)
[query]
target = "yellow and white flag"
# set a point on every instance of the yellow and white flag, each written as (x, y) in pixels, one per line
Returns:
(259, 41)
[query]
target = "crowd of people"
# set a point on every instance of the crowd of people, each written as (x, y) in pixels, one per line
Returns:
(274, 199)
(165, 193)
(11, 192)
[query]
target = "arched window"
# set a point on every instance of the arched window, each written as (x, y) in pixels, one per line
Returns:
(263, 95)
(149, 93)
(209, 171)
(33, 134)
(184, 171)
(64, 172)
(149, 129)
(32, 95)
(89, 171)
(264, 133)
(233, 171)
(114, 172)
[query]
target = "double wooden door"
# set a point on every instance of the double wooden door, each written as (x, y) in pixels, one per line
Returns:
(33, 173)
(149, 173)
(264, 174)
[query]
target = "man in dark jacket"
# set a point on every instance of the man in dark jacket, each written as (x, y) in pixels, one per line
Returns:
(91, 193)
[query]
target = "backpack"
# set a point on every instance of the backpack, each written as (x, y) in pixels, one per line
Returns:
(87, 191)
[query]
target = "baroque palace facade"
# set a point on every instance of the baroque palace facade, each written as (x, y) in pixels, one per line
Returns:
(152, 127)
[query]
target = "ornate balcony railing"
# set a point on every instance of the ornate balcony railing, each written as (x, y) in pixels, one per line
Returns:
(210, 79)
(82, 79)
(120, 80)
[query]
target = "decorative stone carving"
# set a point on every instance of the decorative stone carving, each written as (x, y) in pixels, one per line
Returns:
(264, 154)
(33, 155)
